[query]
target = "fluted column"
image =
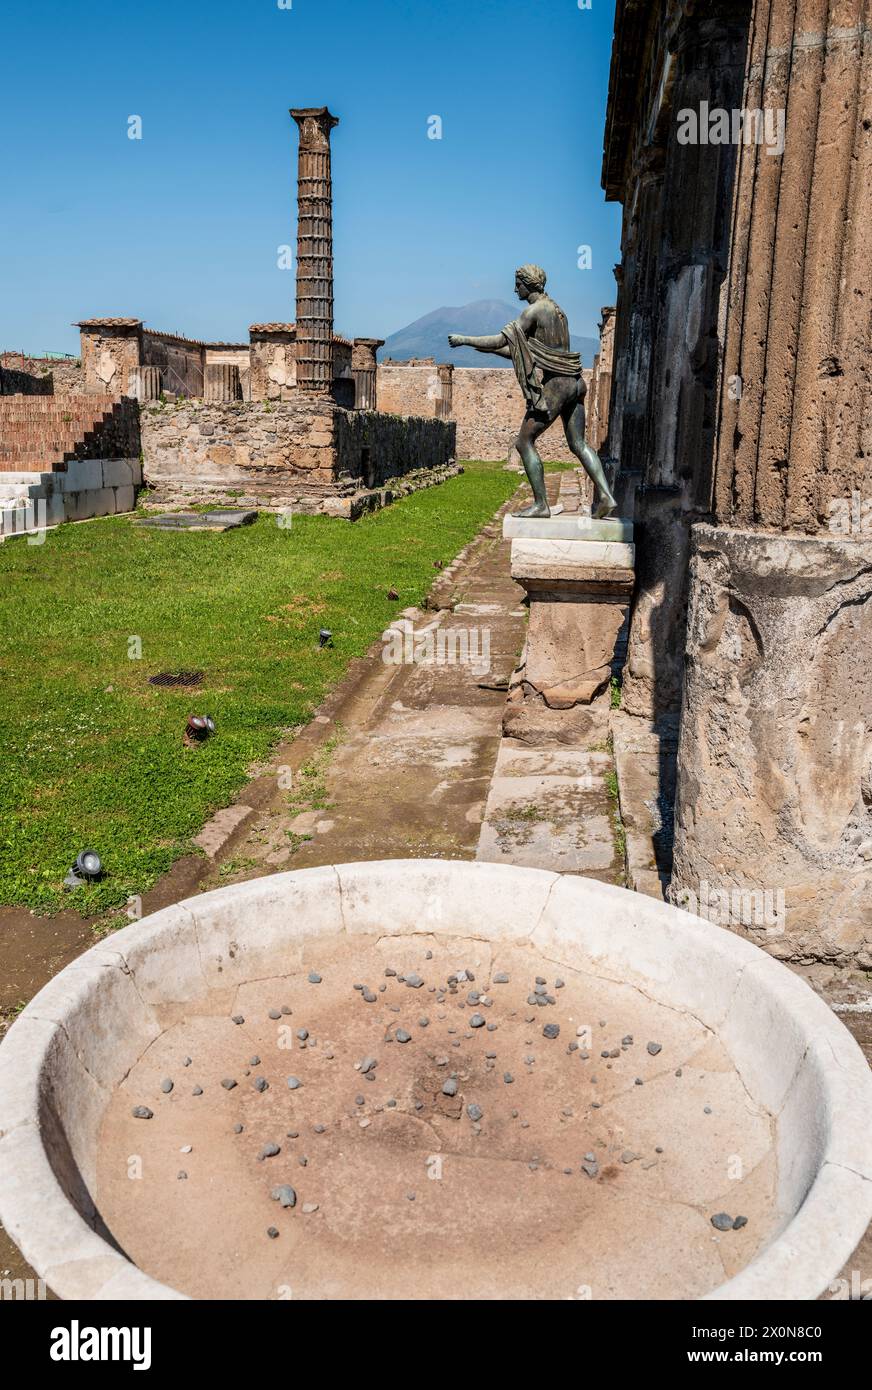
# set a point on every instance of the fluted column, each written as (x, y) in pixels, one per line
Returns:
(364, 369)
(222, 382)
(314, 250)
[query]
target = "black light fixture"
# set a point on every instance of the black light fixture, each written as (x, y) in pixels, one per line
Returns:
(199, 726)
(87, 868)
(325, 637)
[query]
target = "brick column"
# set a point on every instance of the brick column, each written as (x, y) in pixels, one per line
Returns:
(775, 757)
(364, 368)
(314, 250)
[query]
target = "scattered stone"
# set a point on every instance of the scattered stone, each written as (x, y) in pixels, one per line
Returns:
(410, 1196)
(269, 1151)
(187, 1062)
(284, 1194)
(739, 1222)
(142, 1112)
(402, 1036)
(261, 1084)
(474, 1112)
(228, 1083)
(238, 1018)
(314, 979)
(272, 1233)
(722, 1222)
(254, 1061)
(182, 1175)
(706, 1110)
(186, 1149)
(414, 981)
(367, 1064)
(551, 1030)
(320, 1129)
(286, 1010)
(275, 1013)
(197, 1091)
(423, 1021)
(477, 1021)
(368, 996)
(654, 1048)
(501, 978)
(364, 1124)
(302, 1034)
(628, 1156)
(360, 1100)
(309, 1207)
(589, 1166)
(508, 1078)
(294, 1083)
(449, 1087)
(558, 984)
(166, 1085)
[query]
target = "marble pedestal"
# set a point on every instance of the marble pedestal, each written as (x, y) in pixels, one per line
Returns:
(579, 588)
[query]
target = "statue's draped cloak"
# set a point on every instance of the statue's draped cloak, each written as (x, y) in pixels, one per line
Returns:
(531, 358)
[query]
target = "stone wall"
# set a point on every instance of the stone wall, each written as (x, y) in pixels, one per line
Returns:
(487, 406)
(306, 453)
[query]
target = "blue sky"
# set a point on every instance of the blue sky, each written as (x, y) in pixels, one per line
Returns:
(182, 227)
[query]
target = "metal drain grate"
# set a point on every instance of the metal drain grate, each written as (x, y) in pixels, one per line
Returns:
(177, 678)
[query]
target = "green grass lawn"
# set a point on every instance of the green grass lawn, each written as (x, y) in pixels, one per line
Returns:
(93, 754)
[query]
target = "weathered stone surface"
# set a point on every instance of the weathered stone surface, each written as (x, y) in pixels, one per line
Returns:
(775, 755)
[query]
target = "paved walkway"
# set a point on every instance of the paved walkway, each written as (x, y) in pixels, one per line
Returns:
(413, 763)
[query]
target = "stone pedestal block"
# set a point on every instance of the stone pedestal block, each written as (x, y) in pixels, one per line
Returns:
(774, 799)
(221, 382)
(579, 592)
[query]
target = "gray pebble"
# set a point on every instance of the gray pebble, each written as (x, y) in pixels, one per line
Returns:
(320, 1129)
(270, 1151)
(501, 978)
(508, 1078)
(142, 1112)
(286, 1010)
(261, 1084)
(360, 1100)
(449, 1088)
(284, 1194)
(477, 1021)
(551, 1030)
(275, 1013)
(309, 1207)
(254, 1061)
(739, 1222)
(272, 1233)
(182, 1175)
(367, 1064)
(294, 1083)
(187, 1062)
(238, 1018)
(369, 997)
(654, 1048)
(722, 1222)
(197, 1091)
(414, 981)
(237, 1129)
(474, 1112)
(228, 1083)
(628, 1156)
(314, 977)
(166, 1086)
(302, 1034)
(423, 1022)
(402, 1036)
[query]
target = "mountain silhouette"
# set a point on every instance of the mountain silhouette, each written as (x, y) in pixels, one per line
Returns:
(428, 336)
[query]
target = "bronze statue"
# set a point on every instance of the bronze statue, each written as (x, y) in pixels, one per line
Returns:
(551, 380)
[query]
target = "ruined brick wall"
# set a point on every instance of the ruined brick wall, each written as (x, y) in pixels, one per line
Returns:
(40, 376)
(37, 433)
(111, 351)
(408, 390)
(181, 362)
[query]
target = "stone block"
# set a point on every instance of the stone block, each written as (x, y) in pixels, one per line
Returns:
(82, 475)
(125, 499)
(117, 473)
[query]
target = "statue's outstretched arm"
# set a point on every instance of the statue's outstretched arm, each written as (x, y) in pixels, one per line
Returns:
(495, 343)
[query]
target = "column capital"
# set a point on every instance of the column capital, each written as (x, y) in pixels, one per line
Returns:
(315, 124)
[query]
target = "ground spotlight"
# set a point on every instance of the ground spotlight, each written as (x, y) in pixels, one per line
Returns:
(87, 868)
(199, 727)
(325, 637)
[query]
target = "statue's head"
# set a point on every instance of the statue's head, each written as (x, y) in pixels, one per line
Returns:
(529, 279)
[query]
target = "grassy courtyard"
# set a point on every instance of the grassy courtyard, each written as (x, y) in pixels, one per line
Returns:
(94, 754)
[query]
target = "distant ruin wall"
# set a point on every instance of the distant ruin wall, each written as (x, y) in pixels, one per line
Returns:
(486, 404)
(40, 376)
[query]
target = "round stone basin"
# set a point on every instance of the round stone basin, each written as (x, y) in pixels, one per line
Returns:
(429, 1079)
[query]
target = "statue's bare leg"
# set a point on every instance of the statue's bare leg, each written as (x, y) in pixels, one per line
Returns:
(604, 503)
(533, 426)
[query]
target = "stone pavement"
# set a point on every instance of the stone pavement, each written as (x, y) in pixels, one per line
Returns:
(418, 768)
